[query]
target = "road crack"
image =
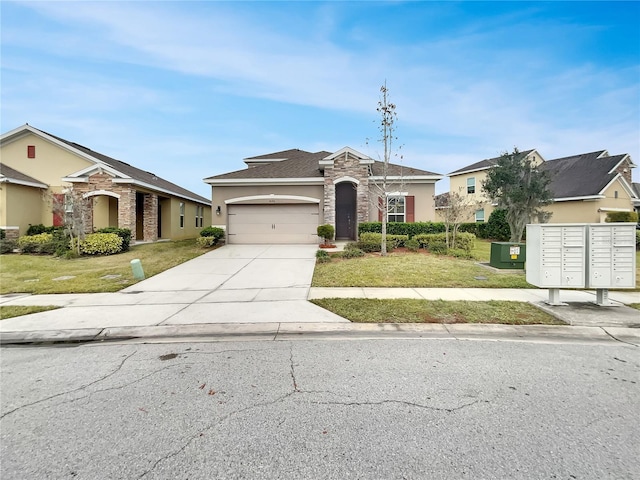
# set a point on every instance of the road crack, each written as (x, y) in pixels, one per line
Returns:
(101, 379)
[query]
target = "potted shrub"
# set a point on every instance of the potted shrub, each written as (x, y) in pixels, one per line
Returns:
(326, 232)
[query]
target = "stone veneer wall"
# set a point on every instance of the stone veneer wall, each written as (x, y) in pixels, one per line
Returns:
(346, 166)
(150, 219)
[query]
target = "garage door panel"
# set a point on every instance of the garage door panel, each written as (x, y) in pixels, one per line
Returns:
(281, 223)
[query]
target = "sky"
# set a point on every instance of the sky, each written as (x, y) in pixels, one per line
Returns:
(189, 89)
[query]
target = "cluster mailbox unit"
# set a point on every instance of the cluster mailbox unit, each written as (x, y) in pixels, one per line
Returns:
(581, 255)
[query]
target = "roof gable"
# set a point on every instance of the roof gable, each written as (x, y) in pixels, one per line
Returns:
(484, 164)
(11, 175)
(124, 170)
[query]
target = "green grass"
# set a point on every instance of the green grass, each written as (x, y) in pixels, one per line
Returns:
(9, 311)
(436, 311)
(416, 270)
(35, 273)
(634, 305)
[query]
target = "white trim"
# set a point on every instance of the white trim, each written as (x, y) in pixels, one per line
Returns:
(100, 192)
(397, 194)
(155, 189)
(26, 183)
(75, 179)
(569, 199)
(10, 227)
(626, 156)
(325, 162)
(346, 179)
(614, 209)
(410, 179)
(469, 171)
(350, 150)
(625, 185)
(98, 168)
(272, 181)
(272, 196)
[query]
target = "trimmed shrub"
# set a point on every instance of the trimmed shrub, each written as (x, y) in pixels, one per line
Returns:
(322, 256)
(206, 242)
(7, 246)
(437, 242)
(497, 227)
(326, 232)
(621, 217)
(123, 233)
(370, 242)
(400, 228)
(35, 229)
(215, 232)
(351, 250)
(38, 243)
(412, 245)
(101, 244)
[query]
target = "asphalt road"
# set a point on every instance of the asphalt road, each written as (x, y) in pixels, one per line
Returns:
(339, 409)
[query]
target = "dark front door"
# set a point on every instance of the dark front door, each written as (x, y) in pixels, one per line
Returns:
(346, 219)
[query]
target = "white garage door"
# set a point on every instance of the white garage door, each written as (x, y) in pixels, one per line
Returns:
(283, 223)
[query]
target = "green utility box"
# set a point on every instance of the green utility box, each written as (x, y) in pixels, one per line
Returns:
(507, 255)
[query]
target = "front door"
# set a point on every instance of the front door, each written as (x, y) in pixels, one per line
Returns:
(346, 219)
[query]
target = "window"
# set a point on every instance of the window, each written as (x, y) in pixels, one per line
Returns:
(480, 215)
(471, 185)
(396, 211)
(199, 216)
(31, 151)
(615, 194)
(181, 214)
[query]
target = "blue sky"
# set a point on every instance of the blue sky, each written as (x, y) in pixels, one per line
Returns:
(188, 89)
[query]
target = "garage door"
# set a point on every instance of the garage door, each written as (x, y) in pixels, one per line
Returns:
(283, 223)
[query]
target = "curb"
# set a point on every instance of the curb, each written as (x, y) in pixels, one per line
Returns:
(319, 331)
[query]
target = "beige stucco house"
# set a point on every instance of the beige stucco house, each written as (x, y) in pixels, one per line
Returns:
(37, 167)
(585, 187)
(282, 197)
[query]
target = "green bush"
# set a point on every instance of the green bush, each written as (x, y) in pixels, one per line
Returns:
(7, 246)
(123, 233)
(206, 242)
(412, 245)
(215, 232)
(370, 241)
(637, 239)
(352, 253)
(326, 232)
(400, 228)
(36, 229)
(621, 217)
(101, 244)
(322, 256)
(37, 243)
(437, 242)
(3, 234)
(497, 227)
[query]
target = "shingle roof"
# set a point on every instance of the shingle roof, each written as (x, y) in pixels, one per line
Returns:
(137, 174)
(13, 174)
(581, 175)
(482, 164)
(302, 164)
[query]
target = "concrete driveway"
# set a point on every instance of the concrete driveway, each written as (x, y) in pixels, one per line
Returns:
(232, 284)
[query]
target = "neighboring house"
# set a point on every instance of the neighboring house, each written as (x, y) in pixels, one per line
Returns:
(585, 187)
(282, 197)
(636, 201)
(36, 167)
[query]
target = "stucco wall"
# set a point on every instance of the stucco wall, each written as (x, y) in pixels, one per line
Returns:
(50, 164)
(424, 207)
(21, 206)
(171, 219)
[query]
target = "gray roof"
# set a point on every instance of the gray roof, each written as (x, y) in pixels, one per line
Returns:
(482, 164)
(302, 164)
(13, 174)
(143, 176)
(581, 175)
(636, 188)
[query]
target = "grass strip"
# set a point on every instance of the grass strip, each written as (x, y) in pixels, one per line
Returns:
(9, 311)
(361, 310)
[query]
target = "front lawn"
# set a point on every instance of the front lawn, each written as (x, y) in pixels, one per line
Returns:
(9, 311)
(36, 273)
(406, 269)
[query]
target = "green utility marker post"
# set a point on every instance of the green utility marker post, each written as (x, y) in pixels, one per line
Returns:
(136, 266)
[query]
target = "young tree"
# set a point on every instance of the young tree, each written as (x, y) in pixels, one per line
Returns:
(455, 208)
(387, 111)
(72, 209)
(519, 187)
